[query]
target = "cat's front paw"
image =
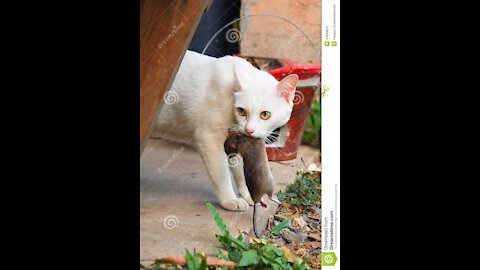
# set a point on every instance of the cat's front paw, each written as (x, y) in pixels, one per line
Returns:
(238, 204)
(249, 201)
(246, 195)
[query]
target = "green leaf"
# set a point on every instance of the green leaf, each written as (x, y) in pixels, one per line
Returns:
(270, 247)
(249, 257)
(240, 237)
(225, 241)
(309, 135)
(221, 225)
(299, 265)
(240, 244)
(295, 202)
(282, 225)
(276, 267)
(310, 123)
(190, 260)
(203, 264)
(316, 120)
(270, 258)
(292, 194)
(142, 267)
(220, 254)
(307, 202)
(280, 196)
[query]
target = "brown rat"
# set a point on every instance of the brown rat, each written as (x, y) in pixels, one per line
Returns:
(258, 178)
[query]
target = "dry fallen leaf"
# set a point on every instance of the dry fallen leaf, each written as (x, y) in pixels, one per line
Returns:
(301, 252)
(315, 236)
(288, 254)
(258, 241)
(314, 217)
(299, 222)
(312, 244)
(315, 263)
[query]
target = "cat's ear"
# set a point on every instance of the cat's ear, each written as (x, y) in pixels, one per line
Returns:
(241, 75)
(286, 88)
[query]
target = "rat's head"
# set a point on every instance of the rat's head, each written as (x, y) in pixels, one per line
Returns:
(262, 104)
(237, 142)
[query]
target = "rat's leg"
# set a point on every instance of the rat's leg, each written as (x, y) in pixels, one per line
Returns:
(262, 203)
(275, 200)
(237, 170)
(216, 162)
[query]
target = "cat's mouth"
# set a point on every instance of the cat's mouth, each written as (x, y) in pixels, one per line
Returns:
(272, 138)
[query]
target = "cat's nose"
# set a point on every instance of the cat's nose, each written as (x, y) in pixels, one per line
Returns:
(249, 131)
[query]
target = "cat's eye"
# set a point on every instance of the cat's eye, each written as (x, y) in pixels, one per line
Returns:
(241, 111)
(265, 115)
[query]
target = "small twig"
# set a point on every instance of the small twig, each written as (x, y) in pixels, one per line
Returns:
(303, 162)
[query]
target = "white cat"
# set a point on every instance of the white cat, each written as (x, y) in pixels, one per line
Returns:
(208, 96)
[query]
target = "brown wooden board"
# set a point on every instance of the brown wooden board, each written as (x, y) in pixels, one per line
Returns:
(166, 29)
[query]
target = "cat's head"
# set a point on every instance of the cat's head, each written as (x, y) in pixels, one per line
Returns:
(262, 104)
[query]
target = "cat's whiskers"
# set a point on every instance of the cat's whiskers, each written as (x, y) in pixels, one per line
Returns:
(278, 150)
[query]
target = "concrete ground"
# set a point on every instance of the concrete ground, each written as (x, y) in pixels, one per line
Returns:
(174, 190)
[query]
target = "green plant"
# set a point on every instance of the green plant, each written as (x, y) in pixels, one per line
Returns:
(282, 225)
(233, 246)
(192, 261)
(305, 192)
(311, 133)
(254, 255)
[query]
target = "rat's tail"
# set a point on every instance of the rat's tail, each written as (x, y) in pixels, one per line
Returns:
(255, 220)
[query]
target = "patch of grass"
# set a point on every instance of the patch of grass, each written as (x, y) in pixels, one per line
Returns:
(254, 255)
(305, 192)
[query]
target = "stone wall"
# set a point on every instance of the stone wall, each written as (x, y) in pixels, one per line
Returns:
(277, 38)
